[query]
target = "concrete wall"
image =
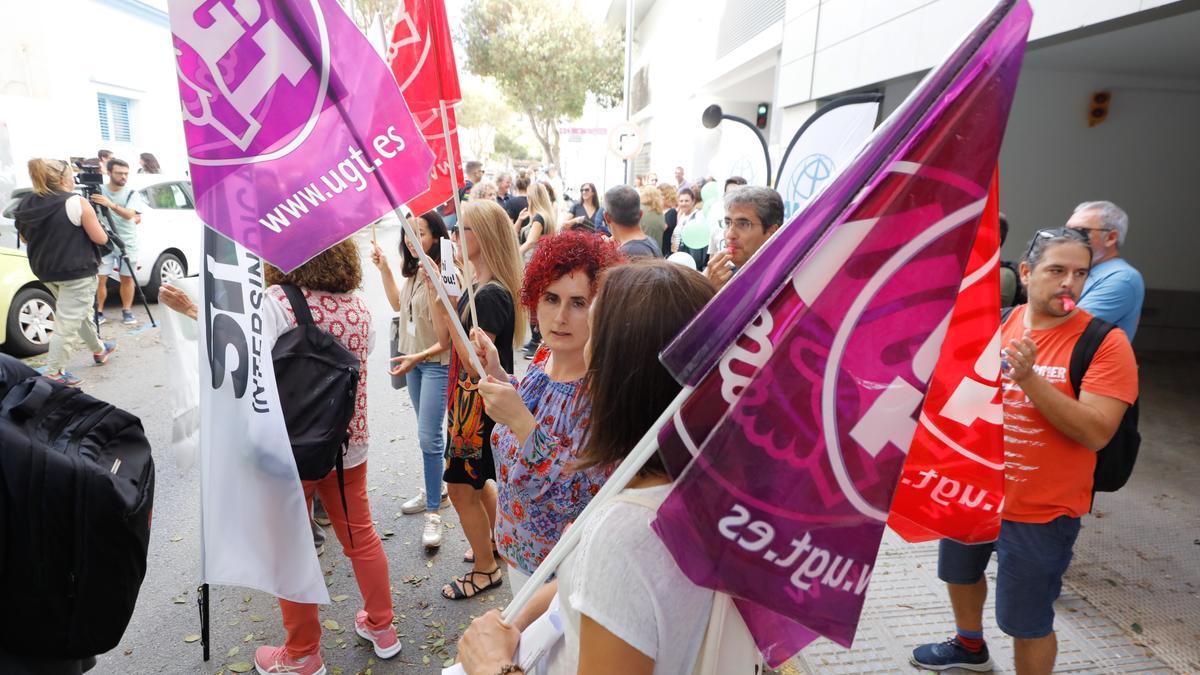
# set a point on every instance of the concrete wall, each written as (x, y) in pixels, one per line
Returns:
(1143, 158)
(56, 56)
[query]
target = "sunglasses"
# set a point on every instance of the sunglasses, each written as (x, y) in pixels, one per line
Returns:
(1054, 233)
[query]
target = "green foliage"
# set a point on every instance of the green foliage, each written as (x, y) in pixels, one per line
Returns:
(545, 58)
(507, 146)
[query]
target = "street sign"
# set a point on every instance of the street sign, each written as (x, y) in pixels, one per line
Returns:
(625, 140)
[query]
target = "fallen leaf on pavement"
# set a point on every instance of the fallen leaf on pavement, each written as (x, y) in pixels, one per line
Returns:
(241, 667)
(331, 624)
(340, 598)
(194, 637)
(176, 538)
(233, 651)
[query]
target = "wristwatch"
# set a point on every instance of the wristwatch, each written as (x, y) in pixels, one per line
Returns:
(510, 669)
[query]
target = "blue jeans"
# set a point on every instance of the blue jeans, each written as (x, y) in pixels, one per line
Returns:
(427, 384)
(1032, 560)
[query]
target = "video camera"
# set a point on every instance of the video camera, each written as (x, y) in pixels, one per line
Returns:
(88, 176)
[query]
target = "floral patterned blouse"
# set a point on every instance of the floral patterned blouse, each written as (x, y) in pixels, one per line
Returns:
(537, 494)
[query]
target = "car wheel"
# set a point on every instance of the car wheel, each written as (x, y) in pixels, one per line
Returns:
(30, 322)
(167, 268)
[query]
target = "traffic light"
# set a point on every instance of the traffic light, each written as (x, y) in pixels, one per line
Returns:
(761, 120)
(1098, 110)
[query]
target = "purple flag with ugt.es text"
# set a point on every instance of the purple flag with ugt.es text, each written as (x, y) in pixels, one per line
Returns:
(297, 134)
(788, 452)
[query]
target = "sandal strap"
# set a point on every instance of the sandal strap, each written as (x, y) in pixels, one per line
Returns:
(459, 590)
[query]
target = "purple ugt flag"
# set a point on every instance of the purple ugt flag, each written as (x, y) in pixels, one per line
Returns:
(297, 134)
(799, 423)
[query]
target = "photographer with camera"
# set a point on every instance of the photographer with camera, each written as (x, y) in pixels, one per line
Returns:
(62, 233)
(125, 205)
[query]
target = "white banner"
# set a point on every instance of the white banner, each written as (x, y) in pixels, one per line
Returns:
(255, 523)
(823, 146)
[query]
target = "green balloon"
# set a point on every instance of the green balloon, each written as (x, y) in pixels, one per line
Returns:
(695, 234)
(710, 192)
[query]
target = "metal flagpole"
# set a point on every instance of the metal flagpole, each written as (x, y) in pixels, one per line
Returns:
(451, 159)
(628, 78)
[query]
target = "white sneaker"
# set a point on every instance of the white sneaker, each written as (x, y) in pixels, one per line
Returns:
(431, 536)
(417, 503)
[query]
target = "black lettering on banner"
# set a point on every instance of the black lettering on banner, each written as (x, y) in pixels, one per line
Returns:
(222, 330)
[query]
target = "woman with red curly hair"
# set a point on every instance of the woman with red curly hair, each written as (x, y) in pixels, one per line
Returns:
(541, 421)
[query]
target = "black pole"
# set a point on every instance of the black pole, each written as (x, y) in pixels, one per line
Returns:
(837, 103)
(761, 139)
(202, 602)
(122, 257)
(712, 117)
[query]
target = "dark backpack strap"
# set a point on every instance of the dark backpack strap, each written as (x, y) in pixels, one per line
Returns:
(299, 304)
(1085, 349)
(1005, 313)
(341, 476)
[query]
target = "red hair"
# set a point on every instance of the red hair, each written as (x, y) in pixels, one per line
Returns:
(562, 254)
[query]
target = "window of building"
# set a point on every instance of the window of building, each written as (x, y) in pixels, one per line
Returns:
(114, 118)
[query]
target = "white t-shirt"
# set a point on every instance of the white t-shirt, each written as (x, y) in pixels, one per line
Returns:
(75, 210)
(622, 577)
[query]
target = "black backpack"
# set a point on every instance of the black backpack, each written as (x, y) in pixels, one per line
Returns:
(76, 494)
(317, 379)
(1114, 462)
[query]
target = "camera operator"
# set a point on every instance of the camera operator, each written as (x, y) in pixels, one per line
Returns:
(62, 232)
(125, 205)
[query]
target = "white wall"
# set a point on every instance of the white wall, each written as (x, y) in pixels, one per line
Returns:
(857, 43)
(54, 59)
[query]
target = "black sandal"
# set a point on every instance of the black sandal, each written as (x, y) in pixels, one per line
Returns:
(459, 590)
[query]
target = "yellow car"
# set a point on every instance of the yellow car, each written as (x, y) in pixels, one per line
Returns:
(26, 307)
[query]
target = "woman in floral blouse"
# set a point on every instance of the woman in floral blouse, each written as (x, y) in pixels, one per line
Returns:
(541, 422)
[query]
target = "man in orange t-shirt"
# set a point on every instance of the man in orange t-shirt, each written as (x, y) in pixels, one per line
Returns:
(1050, 443)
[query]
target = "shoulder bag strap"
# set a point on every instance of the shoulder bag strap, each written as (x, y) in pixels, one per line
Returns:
(299, 304)
(1085, 348)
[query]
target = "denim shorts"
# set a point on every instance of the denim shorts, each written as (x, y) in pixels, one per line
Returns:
(1032, 558)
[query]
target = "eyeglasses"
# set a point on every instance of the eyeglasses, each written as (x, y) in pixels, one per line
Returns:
(1054, 233)
(740, 223)
(1084, 230)
(585, 189)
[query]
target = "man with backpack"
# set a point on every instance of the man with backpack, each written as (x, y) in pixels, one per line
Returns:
(1060, 408)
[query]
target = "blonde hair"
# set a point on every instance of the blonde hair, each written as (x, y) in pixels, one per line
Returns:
(47, 175)
(539, 203)
(651, 198)
(484, 190)
(670, 195)
(498, 245)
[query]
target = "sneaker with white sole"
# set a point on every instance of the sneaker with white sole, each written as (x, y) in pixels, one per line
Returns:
(951, 654)
(431, 536)
(272, 660)
(416, 504)
(128, 318)
(385, 641)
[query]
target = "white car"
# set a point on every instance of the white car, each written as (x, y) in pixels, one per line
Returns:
(170, 233)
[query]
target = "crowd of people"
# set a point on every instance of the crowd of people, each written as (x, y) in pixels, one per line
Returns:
(601, 287)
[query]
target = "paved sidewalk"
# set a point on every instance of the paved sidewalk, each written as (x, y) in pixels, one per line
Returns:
(1131, 601)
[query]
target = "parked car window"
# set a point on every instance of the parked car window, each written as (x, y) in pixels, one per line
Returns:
(167, 196)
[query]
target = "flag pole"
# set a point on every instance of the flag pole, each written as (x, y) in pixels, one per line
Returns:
(452, 161)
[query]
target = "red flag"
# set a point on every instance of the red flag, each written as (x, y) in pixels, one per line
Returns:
(952, 485)
(421, 57)
(440, 188)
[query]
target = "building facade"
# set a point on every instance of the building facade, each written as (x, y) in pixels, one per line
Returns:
(795, 55)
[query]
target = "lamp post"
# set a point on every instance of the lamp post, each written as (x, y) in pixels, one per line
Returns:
(712, 117)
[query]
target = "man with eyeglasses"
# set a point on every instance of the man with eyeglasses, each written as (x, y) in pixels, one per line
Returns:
(1051, 436)
(1114, 290)
(752, 215)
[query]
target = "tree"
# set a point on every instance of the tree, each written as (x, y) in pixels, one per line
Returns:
(364, 11)
(546, 58)
(509, 147)
(481, 114)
